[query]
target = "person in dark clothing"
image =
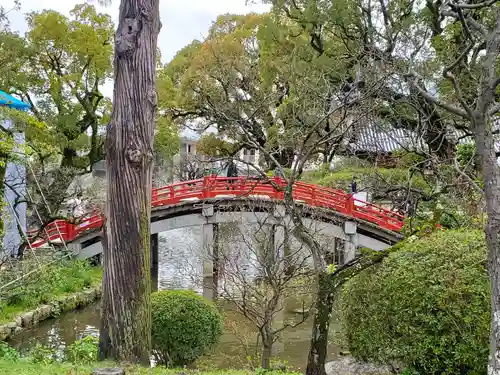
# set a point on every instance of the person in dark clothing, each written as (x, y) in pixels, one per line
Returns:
(354, 186)
(199, 173)
(232, 171)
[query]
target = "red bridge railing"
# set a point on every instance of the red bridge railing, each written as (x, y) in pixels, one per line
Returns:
(212, 187)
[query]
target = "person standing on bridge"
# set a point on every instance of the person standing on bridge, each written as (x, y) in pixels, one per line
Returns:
(277, 173)
(354, 186)
(232, 172)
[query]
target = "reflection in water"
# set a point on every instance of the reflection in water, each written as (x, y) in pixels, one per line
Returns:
(58, 333)
(180, 268)
(179, 259)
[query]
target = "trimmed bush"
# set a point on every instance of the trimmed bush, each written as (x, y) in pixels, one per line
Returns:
(185, 326)
(426, 306)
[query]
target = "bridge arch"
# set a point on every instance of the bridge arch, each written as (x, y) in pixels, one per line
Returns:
(217, 200)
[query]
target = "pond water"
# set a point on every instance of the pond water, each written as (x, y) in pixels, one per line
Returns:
(179, 269)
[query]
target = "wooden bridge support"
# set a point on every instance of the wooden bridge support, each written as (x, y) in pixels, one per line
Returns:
(154, 262)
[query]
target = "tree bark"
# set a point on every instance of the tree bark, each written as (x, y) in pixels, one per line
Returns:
(127, 283)
(267, 350)
(321, 324)
(328, 285)
(491, 175)
(267, 346)
(482, 127)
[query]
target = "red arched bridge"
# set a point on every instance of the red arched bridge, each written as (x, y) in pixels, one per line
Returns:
(242, 187)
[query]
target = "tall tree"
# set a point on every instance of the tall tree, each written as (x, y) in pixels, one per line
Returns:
(377, 37)
(219, 79)
(269, 88)
(59, 68)
(467, 45)
(251, 71)
(126, 306)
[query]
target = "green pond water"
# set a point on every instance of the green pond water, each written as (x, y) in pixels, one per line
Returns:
(237, 343)
(179, 268)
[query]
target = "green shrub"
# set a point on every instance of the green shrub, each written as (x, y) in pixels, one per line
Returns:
(465, 155)
(185, 326)
(83, 351)
(42, 354)
(426, 306)
(8, 353)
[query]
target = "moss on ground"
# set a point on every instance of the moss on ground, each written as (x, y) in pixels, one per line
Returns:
(52, 282)
(25, 368)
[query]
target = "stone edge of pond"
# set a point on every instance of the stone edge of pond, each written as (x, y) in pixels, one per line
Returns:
(53, 309)
(348, 365)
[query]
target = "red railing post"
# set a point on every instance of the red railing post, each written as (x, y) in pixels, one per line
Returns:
(154, 197)
(349, 205)
(206, 186)
(68, 231)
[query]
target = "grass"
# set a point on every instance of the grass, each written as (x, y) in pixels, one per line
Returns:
(372, 178)
(52, 282)
(25, 368)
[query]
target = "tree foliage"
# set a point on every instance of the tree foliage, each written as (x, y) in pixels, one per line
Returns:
(260, 87)
(425, 306)
(382, 50)
(59, 68)
(167, 140)
(185, 326)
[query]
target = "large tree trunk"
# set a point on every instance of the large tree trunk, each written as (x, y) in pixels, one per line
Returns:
(127, 283)
(482, 127)
(321, 324)
(491, 175)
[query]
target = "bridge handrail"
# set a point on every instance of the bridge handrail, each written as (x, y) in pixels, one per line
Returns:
(211, 187)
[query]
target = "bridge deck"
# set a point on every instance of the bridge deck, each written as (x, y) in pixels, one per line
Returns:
(226, 188)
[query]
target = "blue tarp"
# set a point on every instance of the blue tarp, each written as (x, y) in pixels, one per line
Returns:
(10, 101)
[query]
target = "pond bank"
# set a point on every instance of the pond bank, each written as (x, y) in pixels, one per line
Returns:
(50, 310)
(347, 365)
